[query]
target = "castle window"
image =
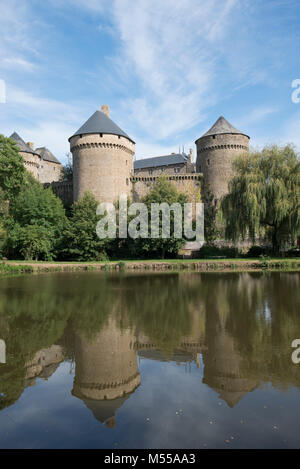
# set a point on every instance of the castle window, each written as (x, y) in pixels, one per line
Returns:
(101, 135)
(126, 162)
(127, 182)
(208, 162)
(214, 136)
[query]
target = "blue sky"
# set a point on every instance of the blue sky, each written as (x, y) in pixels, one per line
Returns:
(167, 68)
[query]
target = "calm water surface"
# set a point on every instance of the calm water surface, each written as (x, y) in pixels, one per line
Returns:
(193, 360)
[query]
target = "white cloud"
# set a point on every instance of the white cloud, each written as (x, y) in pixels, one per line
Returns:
(17, 63)
(23, 101)
(17, 30)
(256, 115)
(46, 122)
(171, 62)
(166, 47)
(49, 134)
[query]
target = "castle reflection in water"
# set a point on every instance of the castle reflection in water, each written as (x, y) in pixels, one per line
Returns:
(229, 326)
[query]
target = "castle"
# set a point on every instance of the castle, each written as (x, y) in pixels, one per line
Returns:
(103, 162)
(42, 164)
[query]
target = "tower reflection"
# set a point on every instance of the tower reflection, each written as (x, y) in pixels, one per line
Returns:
(106, 371)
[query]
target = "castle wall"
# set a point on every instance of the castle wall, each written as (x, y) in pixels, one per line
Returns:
(49, 172)
(63, 190)
(31, 162)
(139, 186)
(215, 155)
(102, 165)
(187, 183)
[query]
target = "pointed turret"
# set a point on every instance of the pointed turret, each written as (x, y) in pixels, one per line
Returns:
(222, 126)
(216, 151)
(102, 158)
(101, 123)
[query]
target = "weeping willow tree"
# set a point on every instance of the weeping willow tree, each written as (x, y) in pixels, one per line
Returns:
(264, 197)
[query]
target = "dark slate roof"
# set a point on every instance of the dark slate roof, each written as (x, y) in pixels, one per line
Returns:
(222, 126)
(99, 123)
(46, 155)
(161, 161)
(22, 145)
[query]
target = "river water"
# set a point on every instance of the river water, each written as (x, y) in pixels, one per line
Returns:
(170, 360)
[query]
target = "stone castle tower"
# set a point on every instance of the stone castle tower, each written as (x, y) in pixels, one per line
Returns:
(216, 150)
(102, 158)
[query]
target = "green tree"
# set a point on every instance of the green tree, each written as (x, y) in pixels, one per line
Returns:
(67, 172)
(12, 169)
(32, 242)
(163, 191)
(264, 195)
(81, 240)
(36, 223)
(3, 236)
(211, 228)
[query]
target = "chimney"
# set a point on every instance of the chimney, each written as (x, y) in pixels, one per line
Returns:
(31, 145)
(105, 109)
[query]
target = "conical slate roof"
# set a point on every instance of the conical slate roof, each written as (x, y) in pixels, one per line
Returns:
(222, 126)
(21, 144)
(46, 154)
(99, 123)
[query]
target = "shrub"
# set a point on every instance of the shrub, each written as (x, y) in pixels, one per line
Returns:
(256, 251)
(212, 251)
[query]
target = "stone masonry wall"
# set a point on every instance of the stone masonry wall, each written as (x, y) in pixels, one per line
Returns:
(49, 172)
(102, 165)
(187, 183)
(31, 162)
(63, 190)
(215, 155)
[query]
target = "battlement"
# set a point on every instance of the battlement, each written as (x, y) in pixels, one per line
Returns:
(175, 177)
(63, 190)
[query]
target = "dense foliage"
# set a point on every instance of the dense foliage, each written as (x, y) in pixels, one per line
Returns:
(12, 169)
(264, 200)
(67, 172)
(80, 237)
(36, 223)
(163, 191)
(211, 229)
(264, 197)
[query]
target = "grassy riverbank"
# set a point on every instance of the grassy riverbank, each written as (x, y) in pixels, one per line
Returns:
(202, 265)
